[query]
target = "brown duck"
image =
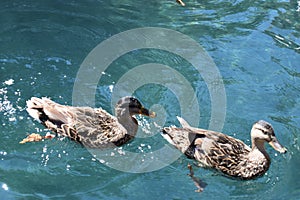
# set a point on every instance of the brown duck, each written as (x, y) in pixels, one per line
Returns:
(92, 127)
(224, 153)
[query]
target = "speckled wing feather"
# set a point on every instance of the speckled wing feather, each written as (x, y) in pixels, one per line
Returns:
(97, 128)
(219, 151)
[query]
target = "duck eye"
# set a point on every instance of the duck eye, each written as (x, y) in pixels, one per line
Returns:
(263, 131)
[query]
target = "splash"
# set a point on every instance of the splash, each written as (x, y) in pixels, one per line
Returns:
(9, 82)
(4, 186)
(8, 108)
(5, 105)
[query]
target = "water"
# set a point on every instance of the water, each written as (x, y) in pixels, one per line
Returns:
(255, 45)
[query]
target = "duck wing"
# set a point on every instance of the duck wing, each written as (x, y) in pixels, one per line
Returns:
(212, 149)
(212, 141)
(217, 150)
(94, 128)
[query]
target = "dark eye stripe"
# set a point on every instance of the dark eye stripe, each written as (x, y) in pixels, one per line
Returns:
(264, 132)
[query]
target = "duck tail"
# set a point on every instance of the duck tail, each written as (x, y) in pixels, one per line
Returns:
(46, 111)
(183, 123)
(34, 108)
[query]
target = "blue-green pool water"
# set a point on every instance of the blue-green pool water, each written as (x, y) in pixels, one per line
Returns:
(254, 44)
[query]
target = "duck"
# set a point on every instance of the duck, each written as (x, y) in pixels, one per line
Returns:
(91, 127)
(231, 156)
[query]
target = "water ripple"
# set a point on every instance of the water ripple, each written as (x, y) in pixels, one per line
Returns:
(255, 45)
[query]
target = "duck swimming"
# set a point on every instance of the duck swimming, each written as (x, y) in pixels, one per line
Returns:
(92, 127)
(225, 153)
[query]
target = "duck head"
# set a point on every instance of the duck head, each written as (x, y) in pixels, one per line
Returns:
(262, 132)
(131, 106)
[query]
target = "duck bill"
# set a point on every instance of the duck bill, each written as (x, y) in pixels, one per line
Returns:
(277, 146)
(144, 111)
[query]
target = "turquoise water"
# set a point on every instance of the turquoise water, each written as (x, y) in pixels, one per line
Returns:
(254, 44)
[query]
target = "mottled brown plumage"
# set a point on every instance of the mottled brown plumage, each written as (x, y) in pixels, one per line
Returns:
(225, 153)
(92, 127)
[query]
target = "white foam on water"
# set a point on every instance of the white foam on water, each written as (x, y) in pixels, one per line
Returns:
(9, 82)
(5, 187)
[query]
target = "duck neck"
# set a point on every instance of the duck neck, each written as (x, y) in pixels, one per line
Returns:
(259, 145)
(127, 121)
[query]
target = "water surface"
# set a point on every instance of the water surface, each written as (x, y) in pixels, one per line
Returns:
(255, 45)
